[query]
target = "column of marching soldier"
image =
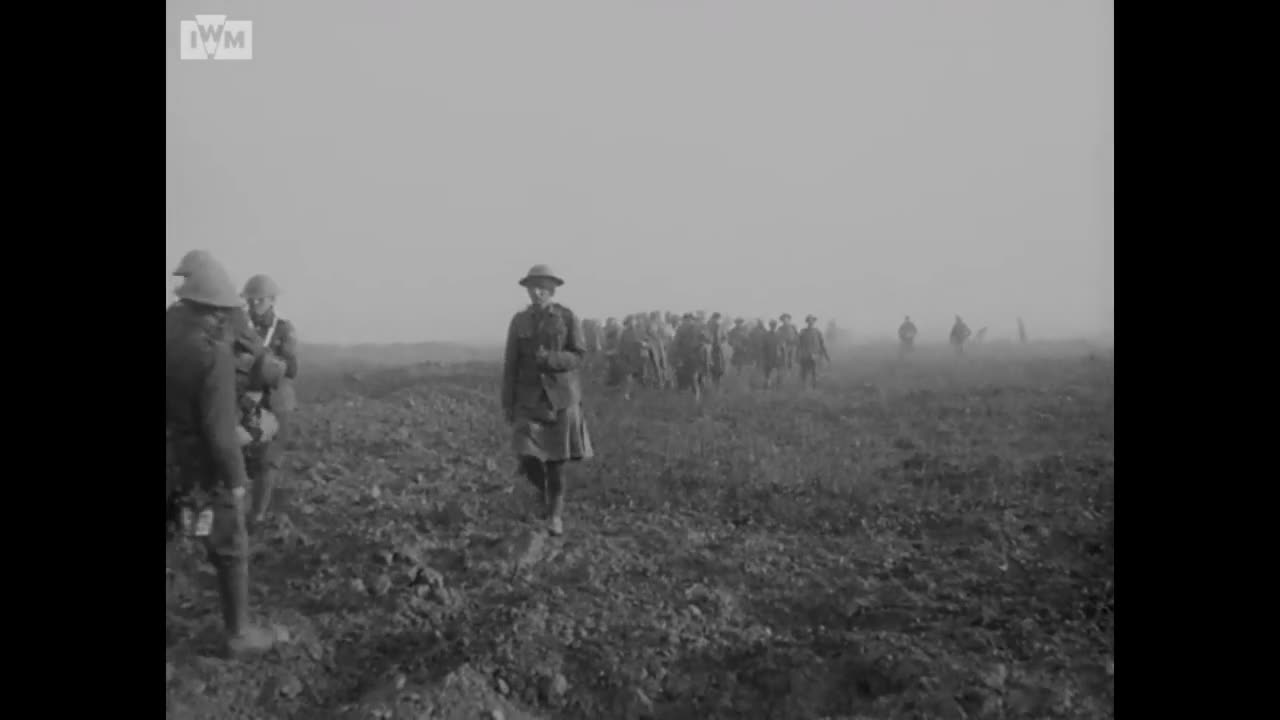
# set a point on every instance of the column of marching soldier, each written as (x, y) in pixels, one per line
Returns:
(231, 363)
(688, 352)
(692, 352)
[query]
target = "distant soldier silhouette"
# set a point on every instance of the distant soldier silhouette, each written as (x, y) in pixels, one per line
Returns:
(906, 337)
(811, 346)
(788, 335)
(656, 344)
(542, 393)
(610, 337)
(833, 332)
(959, 335)
(740, 344)
(593, 341)
(592, 335)
(633, 357)
(693, 356)
(771, 357)
(981, 336)
(716, 335)
(1022, 332)
(755, 343)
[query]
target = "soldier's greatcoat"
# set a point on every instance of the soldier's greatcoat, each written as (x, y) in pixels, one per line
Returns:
(541, 388)
(203, 447)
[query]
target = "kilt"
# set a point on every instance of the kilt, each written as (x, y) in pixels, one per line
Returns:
(558, 435)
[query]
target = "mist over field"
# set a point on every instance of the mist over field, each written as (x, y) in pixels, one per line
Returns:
(396, 166)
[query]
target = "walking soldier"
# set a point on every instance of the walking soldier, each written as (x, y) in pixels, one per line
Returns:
(542, 393)
(810, 347)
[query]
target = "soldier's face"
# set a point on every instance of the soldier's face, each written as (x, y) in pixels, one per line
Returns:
(540, 293)
(260, 306)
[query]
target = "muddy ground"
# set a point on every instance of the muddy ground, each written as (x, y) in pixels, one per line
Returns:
(930, 540)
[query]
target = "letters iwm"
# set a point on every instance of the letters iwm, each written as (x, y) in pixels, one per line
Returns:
(214, 37)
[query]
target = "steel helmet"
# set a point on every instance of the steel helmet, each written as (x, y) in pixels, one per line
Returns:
(191, 262)
(541, 272)
(260, 286)
(208, 283)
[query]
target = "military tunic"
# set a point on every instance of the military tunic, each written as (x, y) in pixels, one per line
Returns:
(959, 334)
(692, 350)
(788, 336)
(740, 342)
(541, 390)
(907, 334)
(771, 356)
(715, 333)
(203, 448)
(278, 338)
(809, 347)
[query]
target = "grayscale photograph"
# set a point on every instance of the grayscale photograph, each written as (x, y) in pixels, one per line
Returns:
(639, 359)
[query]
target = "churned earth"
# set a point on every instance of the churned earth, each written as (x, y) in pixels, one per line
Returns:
(928, 539)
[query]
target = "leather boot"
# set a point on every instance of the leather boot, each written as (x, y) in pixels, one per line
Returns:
(555, 497)
(243, 638)
(536, 472)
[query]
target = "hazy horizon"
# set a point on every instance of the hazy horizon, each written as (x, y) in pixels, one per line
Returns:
(397, 166)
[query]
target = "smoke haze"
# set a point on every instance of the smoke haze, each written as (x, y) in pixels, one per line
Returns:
(398, 165)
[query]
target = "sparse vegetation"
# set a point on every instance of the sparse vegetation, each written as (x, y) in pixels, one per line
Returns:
(929, 540)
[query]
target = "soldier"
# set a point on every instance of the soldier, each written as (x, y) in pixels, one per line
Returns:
(593, 341)
(788, 335)
(771, 355)
(610, 336)
(667, 332)
(716, 336)
(755, 343)
(633, 358)
(959, 334)
(541, 391)
(981, 336)
(1022, 332)
(206, 473)
(693, 353)
(810, 347)
(591, 335)
(740, 343)
(650, 326)
(278, 335)
(833, 333)
(906, 337)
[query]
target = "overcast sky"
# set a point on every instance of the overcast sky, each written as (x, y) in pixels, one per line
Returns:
(398, 164)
